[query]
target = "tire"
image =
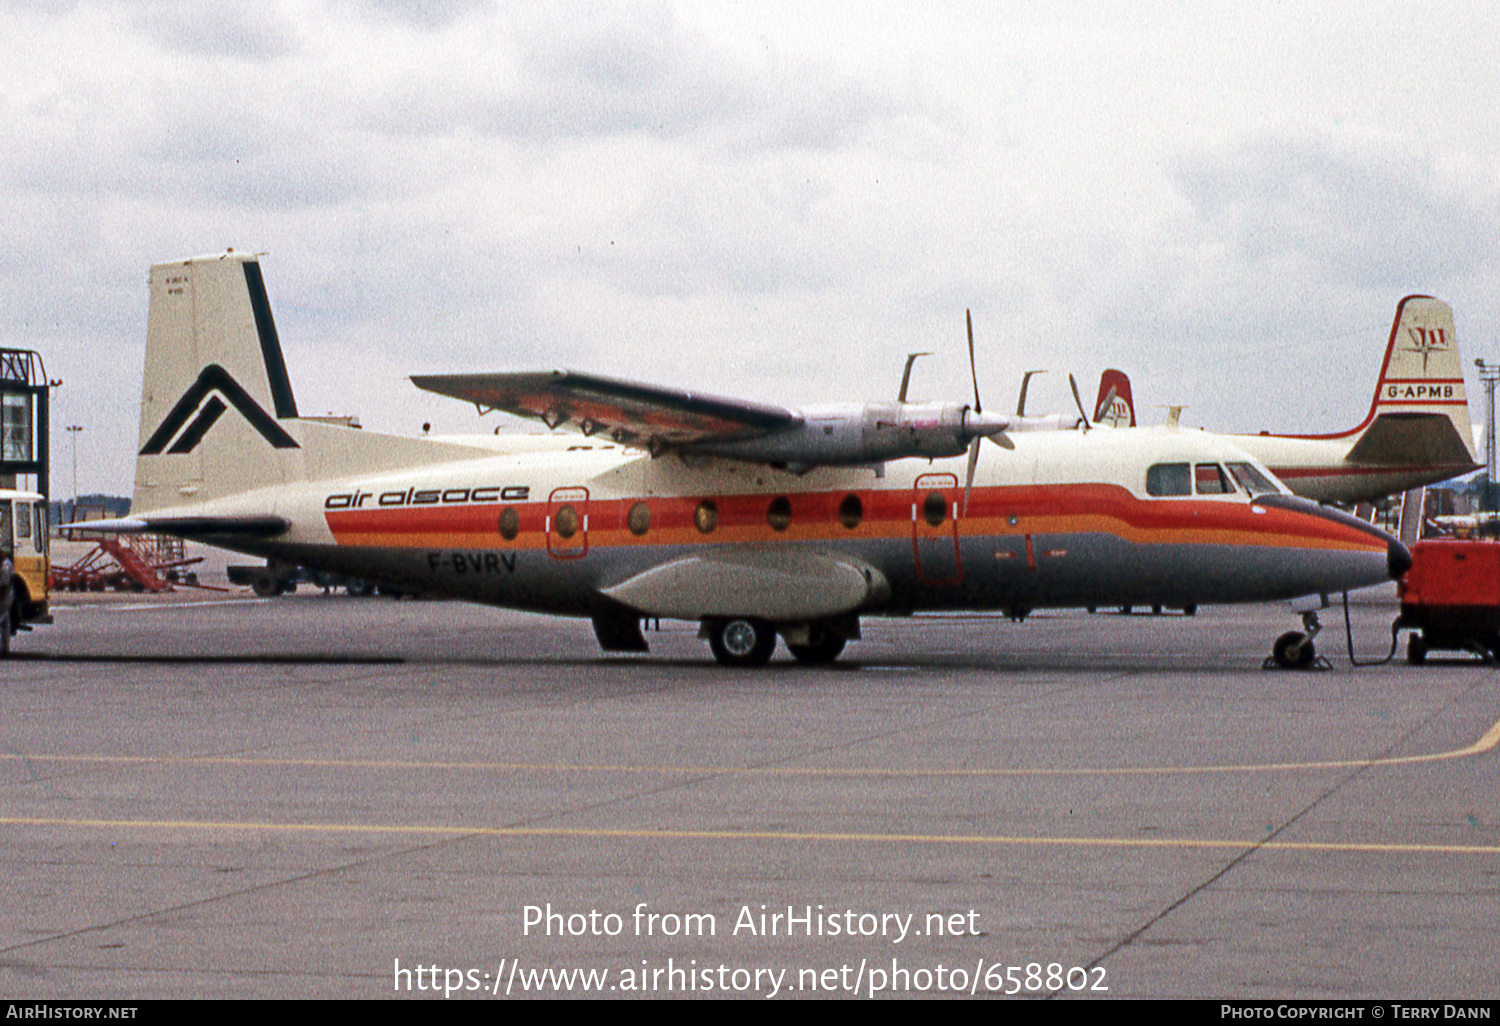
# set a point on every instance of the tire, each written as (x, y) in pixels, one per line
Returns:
(266, 586)
(826, 646)
(1282, 652)
(1416, 650)
(742, 642)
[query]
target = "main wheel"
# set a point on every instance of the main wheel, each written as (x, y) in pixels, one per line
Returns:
(824, 647)
(742, 641)
(1282, 652)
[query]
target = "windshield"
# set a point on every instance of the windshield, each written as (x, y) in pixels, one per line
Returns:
(1252, 480)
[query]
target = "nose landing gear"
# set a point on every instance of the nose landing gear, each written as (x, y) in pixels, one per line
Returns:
(1294, 650)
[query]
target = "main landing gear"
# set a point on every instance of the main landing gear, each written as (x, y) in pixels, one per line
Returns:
(747, 641)
(742, 641)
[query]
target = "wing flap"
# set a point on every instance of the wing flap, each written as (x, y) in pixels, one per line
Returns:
(628, 412)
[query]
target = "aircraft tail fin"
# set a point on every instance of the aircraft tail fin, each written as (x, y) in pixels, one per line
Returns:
(1115, 406)
(1420, 413)
(218, 417)
(215, 400)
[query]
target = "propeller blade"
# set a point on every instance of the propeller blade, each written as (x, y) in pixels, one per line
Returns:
(1084, 417)
(973, 373)
(969, 478)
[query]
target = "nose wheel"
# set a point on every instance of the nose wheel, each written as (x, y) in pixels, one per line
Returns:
(1294, 650)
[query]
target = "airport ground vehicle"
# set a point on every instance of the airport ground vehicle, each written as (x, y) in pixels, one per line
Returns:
(279, 579)
(24, 395)
(1451, 595)
(24, 596)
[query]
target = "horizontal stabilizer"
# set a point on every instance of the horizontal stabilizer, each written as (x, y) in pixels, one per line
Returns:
(188, 527)
(776, 585)
(1411, 439)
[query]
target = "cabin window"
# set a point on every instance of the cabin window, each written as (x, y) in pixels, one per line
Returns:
(567, 522)
(510, 523)
(39, 539)
(851, 511)
(1169, 479)
(1211, 480)
(639, 519)
(1250, 479)
(935, 509)
(706, 516)
(779, 513)
(23, 520)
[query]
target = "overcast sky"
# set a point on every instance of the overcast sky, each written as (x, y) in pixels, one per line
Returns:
(771, 200)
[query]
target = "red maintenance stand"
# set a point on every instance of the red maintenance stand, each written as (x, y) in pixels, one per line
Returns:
(1452, 595)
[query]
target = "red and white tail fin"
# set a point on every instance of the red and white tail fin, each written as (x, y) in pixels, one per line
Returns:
(1116, 406)
(1422, 371)
(1420, 392)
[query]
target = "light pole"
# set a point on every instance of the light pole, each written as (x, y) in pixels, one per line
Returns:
(1489, 373)
(73, 430)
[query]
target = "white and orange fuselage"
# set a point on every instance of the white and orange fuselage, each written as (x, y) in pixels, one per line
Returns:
(1062, 519)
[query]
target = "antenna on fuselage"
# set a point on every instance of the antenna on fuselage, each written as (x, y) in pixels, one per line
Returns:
(1174, 415)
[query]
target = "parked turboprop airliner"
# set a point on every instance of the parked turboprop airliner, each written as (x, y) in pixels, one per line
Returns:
(753, 520)
(1417, 431)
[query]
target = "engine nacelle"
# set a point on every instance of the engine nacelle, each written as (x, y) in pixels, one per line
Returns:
(869, 433)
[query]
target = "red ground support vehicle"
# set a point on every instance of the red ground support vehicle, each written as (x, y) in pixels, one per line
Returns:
(1452, 594)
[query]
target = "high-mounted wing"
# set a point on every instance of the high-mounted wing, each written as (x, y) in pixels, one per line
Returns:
(668, 420)
(627, 411)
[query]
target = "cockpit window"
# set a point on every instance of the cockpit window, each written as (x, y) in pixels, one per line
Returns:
(1250, 479)
(1169, 479)
(1211, 479)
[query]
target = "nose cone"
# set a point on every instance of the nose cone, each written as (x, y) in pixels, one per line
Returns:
(985, 424)
(1348, 570)
(1397, 560)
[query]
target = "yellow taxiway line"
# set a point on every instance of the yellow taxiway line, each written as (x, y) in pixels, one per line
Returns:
(1485, 744)
(455, 831)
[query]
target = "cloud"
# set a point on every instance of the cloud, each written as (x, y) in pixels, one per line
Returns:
(1376, 219)
(249, 29)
